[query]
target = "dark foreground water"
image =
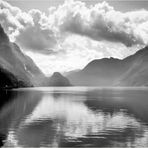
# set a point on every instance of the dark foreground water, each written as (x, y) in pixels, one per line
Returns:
(74, 117)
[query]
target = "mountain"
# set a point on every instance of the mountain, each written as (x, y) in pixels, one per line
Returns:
(14, 63)
(58, 80)
(8, 80)
(137, 74)
(19, 70)
(131, 71)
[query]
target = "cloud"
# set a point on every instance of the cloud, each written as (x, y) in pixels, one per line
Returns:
(102, 22)
(74, 34)
(37, 35)
(38, 31)
(77, 53)
(30, 30)
(42, 32)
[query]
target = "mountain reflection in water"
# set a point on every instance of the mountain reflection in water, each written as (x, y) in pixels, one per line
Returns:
(74, 117)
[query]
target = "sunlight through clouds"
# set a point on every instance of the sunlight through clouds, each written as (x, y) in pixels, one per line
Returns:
(75, 55)
(75, 32)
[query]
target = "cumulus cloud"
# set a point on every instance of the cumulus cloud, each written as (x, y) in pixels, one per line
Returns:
(102, 22)
(74, 56)
(41, 32)
(78, 52)
(37, 35)
(74, 34)
(30, 30)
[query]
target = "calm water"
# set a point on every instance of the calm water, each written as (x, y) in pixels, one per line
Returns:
(74, 117)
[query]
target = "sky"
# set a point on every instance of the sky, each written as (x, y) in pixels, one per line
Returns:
(43, 5)
(66, 35)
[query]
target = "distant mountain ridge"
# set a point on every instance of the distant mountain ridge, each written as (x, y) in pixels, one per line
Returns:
(131, 71)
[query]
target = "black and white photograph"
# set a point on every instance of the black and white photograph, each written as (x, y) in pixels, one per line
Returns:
(74, 73)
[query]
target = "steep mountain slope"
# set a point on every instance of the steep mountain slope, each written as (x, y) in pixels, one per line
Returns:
(58, 80)
(102, 72)
(13, 60)
(132, 71)
(8, 80)
(137, 74)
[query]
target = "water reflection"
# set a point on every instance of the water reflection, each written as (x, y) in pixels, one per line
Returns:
(102, 117)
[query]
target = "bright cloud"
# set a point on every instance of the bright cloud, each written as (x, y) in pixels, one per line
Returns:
(75, 55)
(102, 22)
(99, 22)
(73, 34)
(78, 51)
